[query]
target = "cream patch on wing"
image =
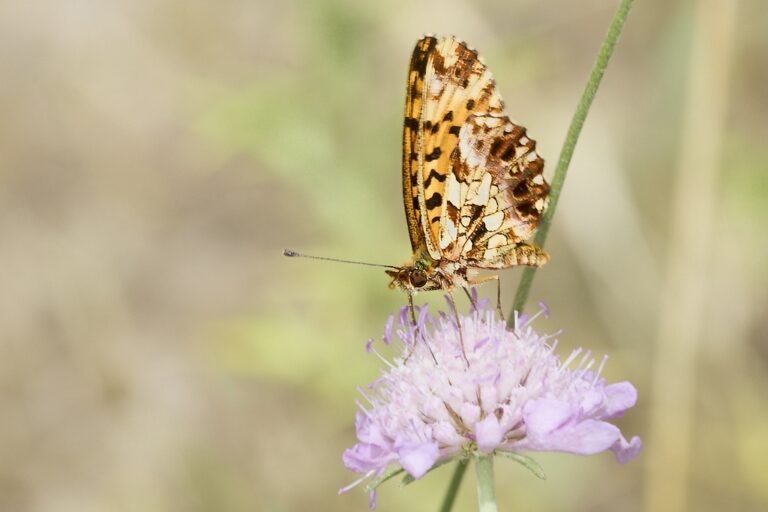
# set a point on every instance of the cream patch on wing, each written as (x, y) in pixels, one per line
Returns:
(449, 216)
(450, 55)
(448, 233)
(436, 86)
(483, 192)
(497, 240)
(493, 222)
(453, 190)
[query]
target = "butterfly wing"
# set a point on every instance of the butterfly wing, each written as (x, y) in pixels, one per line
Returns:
(495, 194)
(447, 83)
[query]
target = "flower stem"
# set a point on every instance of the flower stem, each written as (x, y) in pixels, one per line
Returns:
(486, 489)
(577, 122)
(453, 487)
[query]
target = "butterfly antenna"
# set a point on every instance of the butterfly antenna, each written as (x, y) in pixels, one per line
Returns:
(293, 254)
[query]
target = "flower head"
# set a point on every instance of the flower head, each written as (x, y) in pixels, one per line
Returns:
(482, 388)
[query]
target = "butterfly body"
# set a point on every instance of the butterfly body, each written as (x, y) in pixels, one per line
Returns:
(473, 186)
(427, 275)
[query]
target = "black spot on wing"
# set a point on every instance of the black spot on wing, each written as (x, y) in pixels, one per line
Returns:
(521, 190)
(434, 175)
(434, 155)
(508, 153)
(434, 201)
(421, 54)
(526, 209)
(454, 130)
(412, 123)
(496, 146)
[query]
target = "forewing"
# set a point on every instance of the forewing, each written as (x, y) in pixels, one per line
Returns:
(447, 82)
(412, 129)
(495, 192)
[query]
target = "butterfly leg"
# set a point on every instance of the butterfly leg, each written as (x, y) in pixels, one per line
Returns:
(458, 325)
(469, 296)
(485, 279)
(416, 333)
(413, 321)
(498, 299)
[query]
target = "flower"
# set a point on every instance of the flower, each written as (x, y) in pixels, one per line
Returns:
(482, 388)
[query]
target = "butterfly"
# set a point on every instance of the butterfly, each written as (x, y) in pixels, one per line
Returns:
(473, 184)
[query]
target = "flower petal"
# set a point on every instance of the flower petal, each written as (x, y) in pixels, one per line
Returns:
(445, 433)
(626, 451)
(418, 459)
(584, 438)
(591, 401)
(619, 397)
(470, 413)
(369, 432)
(362, 458)
(546, 415)
(488, 433)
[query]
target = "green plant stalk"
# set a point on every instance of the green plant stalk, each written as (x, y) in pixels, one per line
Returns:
(486, 489)
(453, 487)
(571, 138)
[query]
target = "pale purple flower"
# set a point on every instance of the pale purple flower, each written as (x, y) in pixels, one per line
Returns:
(505, 391)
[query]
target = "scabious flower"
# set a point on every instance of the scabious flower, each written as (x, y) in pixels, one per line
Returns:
(483, 390)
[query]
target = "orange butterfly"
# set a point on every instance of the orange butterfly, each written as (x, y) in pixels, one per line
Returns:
(472, 181)
(473, 186)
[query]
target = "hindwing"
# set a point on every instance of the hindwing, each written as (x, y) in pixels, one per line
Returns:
(495, 192)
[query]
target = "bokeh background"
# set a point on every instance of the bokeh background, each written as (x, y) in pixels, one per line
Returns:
(158, 353)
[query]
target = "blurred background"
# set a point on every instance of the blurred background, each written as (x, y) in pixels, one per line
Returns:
(157, 352)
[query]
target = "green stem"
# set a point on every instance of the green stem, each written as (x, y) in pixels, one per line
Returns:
(486, 489)
(577, 122)
(453, 487)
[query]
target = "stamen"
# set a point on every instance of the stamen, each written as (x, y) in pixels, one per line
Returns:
(584, 359)
(356, 482)
(383, 359)
(362, 408)
(570, 359)
(528, 321)
(600, 369)
(583, 371)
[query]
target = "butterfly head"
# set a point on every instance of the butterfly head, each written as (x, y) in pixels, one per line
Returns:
(419, 276)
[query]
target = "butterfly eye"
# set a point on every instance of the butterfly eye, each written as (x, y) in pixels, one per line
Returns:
(418, 278)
